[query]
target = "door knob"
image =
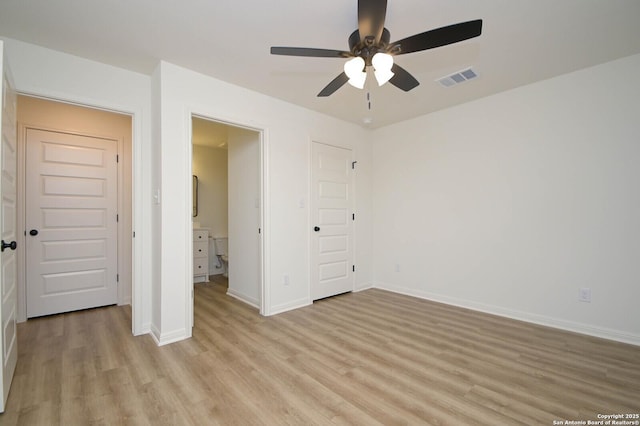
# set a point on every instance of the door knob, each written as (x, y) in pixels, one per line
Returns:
(316, 228)
(12, 245)
(33, 232)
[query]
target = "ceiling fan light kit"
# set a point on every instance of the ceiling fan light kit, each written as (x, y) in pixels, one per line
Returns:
(382, 63)
(369, 46)
(354, 68)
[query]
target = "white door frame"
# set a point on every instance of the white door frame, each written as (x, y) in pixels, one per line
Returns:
(264, 208)
(140, 287)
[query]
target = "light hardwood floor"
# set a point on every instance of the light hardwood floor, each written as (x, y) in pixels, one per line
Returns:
(366, 358)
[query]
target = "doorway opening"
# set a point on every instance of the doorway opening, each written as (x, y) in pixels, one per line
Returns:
(72, 145)
(227, 174)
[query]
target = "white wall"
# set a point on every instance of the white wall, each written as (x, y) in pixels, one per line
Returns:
(288, 131)
(210, 165)
(512, 203)
(244, 215)
(47, 73)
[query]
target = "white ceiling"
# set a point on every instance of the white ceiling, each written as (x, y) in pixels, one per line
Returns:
(523, 41)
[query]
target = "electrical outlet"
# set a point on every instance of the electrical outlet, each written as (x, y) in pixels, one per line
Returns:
(585, 295)
(286, 279)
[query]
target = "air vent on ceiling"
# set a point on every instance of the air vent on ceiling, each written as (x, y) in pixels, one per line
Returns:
(457, 78)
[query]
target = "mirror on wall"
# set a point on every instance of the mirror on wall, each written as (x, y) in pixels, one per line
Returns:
(195, 195)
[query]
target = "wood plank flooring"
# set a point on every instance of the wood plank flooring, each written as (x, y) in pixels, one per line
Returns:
(366, 358)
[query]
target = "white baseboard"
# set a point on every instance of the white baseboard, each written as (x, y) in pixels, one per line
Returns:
(290, 306)
(561, 324)
(243, 298)
(166, 338)
(362, 287)
(155, 334)
(145, 329)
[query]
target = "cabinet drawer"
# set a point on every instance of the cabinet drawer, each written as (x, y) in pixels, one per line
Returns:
(200, 236)
(201, 266)
(201, 249)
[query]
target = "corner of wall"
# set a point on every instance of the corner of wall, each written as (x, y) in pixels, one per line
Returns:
(162, 339)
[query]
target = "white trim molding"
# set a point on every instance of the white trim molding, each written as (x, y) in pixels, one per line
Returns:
(546, 321)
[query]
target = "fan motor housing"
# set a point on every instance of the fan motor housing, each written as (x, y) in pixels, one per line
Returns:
(366, 49)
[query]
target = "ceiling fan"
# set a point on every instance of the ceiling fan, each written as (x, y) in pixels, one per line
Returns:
(369, 47)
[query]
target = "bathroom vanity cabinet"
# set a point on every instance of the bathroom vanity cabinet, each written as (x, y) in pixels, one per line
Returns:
(200, 255)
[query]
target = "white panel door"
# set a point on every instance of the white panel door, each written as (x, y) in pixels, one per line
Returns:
(332, 239)
(8, 163)
(71, 225)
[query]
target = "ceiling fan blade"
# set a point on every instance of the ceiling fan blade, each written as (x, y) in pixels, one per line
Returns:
(308, 51)
(438, 37)
(335, 84)
(371, 16)
(402, 79)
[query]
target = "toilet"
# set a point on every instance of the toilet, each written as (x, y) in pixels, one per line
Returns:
(221, 245)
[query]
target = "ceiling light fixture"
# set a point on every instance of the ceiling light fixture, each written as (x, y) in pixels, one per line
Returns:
(371, 39)
(354, 69)
(382, 63)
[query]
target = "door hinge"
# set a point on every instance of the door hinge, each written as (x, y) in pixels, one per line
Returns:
(117, 278)
(353, 216)
(353, 164)
(134, 234)
(353, 268)
(117, 158)
(117, 218)
(259, 230)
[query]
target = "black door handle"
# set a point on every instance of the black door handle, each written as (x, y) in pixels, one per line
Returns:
(33, 232)
(12, 245)
(316, 228)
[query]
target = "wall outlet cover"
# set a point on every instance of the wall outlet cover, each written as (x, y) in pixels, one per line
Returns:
(584, 295)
